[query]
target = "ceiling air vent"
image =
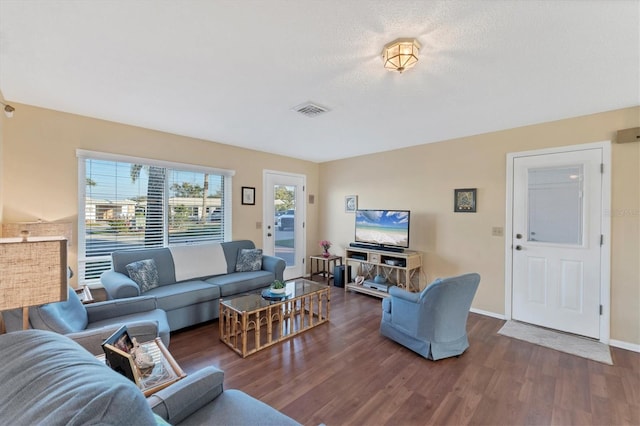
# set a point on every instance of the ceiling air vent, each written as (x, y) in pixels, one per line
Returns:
(310, 109)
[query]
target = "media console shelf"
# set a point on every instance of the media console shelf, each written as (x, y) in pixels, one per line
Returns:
(401, 269)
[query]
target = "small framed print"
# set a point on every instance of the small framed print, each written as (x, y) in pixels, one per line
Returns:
(117, 350)
(350, 203)
(121, 362)
(248, 195)
(120, 339)
(465, 200)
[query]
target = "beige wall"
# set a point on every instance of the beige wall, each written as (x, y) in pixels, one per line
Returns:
(41, 173)
(423, 178)
(38, 180)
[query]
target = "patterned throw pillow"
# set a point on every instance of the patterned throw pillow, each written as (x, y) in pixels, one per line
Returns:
(144, 273)
(249, 260)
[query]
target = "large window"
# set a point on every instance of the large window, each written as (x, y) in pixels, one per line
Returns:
(130, 203)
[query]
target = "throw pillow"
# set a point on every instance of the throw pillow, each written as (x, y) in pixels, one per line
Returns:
(144, 273)
(249, 260)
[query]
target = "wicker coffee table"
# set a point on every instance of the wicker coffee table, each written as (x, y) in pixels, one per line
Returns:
(251, 323)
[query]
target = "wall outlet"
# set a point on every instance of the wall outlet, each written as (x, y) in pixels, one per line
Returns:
(497, 231)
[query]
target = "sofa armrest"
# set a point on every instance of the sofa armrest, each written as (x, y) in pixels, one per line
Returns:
(275, 265)
(91, 339)
(186, 396)
(116, 308)
(119, 286)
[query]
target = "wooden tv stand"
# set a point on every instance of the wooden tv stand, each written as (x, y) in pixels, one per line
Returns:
(401, 269)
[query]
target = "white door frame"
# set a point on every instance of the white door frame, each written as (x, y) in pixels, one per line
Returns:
(301, 216)
(605, 253)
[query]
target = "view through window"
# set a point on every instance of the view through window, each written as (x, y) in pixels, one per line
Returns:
(132, 205)
(285, 210)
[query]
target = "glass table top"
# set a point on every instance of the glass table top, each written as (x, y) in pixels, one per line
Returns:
(294, 288)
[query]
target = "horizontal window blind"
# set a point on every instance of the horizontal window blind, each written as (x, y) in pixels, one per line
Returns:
(137, 205)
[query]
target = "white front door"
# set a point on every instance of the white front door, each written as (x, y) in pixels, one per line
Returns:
(556, 240)
(284, 220)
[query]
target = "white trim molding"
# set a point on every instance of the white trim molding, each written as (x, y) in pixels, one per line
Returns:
(624, 345)
(487, 313)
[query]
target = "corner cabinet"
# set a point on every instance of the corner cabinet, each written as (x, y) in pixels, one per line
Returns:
(400, 269)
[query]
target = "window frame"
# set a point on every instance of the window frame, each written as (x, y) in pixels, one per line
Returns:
(83, 155)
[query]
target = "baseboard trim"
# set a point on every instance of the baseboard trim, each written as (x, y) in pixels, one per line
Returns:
(487, 313)
(624, 345)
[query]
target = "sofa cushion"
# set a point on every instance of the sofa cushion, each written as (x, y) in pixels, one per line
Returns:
(48, 379)
(183, 294)
(242, 282)
(198, 260)
(232, 249)
(162, 257)
(62, 317)
(144, 273)
(249, 260)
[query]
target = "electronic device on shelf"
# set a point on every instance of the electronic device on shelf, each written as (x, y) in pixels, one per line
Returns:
(386, 230)
(376, 286)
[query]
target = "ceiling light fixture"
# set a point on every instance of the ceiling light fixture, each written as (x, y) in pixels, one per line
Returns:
(400, 54)
(8, 110)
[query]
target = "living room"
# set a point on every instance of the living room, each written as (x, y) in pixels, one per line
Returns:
(39, 181)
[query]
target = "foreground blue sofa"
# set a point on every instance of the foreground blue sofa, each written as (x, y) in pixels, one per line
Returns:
(191, 279)
(47, 379)
(432, 323)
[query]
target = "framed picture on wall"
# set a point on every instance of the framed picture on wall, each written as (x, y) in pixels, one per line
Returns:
(248, 195)
(465, 200)
(350, 203)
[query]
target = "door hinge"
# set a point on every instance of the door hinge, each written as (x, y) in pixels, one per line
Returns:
(601, 239)
(602, 168)
(601, 309)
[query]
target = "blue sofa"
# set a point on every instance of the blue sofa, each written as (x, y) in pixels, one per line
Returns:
(48, 379)
(191, 279)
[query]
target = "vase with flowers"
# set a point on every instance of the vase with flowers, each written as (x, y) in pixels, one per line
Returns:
(326, 245)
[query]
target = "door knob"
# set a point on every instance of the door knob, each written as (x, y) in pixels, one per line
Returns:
(268, 234)
(518, 236)
(518, 247)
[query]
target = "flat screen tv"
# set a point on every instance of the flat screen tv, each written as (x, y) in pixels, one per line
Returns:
(385, 228)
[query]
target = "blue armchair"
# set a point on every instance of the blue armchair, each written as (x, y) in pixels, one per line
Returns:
(432, 323)
(89, 325)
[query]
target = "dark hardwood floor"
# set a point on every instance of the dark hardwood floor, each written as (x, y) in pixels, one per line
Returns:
(345, 373)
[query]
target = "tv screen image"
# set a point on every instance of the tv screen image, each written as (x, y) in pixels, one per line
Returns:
(383, 227)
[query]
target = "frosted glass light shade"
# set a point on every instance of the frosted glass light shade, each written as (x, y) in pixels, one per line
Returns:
(400, 54)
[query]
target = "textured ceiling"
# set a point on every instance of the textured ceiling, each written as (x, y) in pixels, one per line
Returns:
(231, 71)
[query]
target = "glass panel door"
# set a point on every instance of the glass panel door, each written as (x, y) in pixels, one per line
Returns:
(284, 222)
(555, 205)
